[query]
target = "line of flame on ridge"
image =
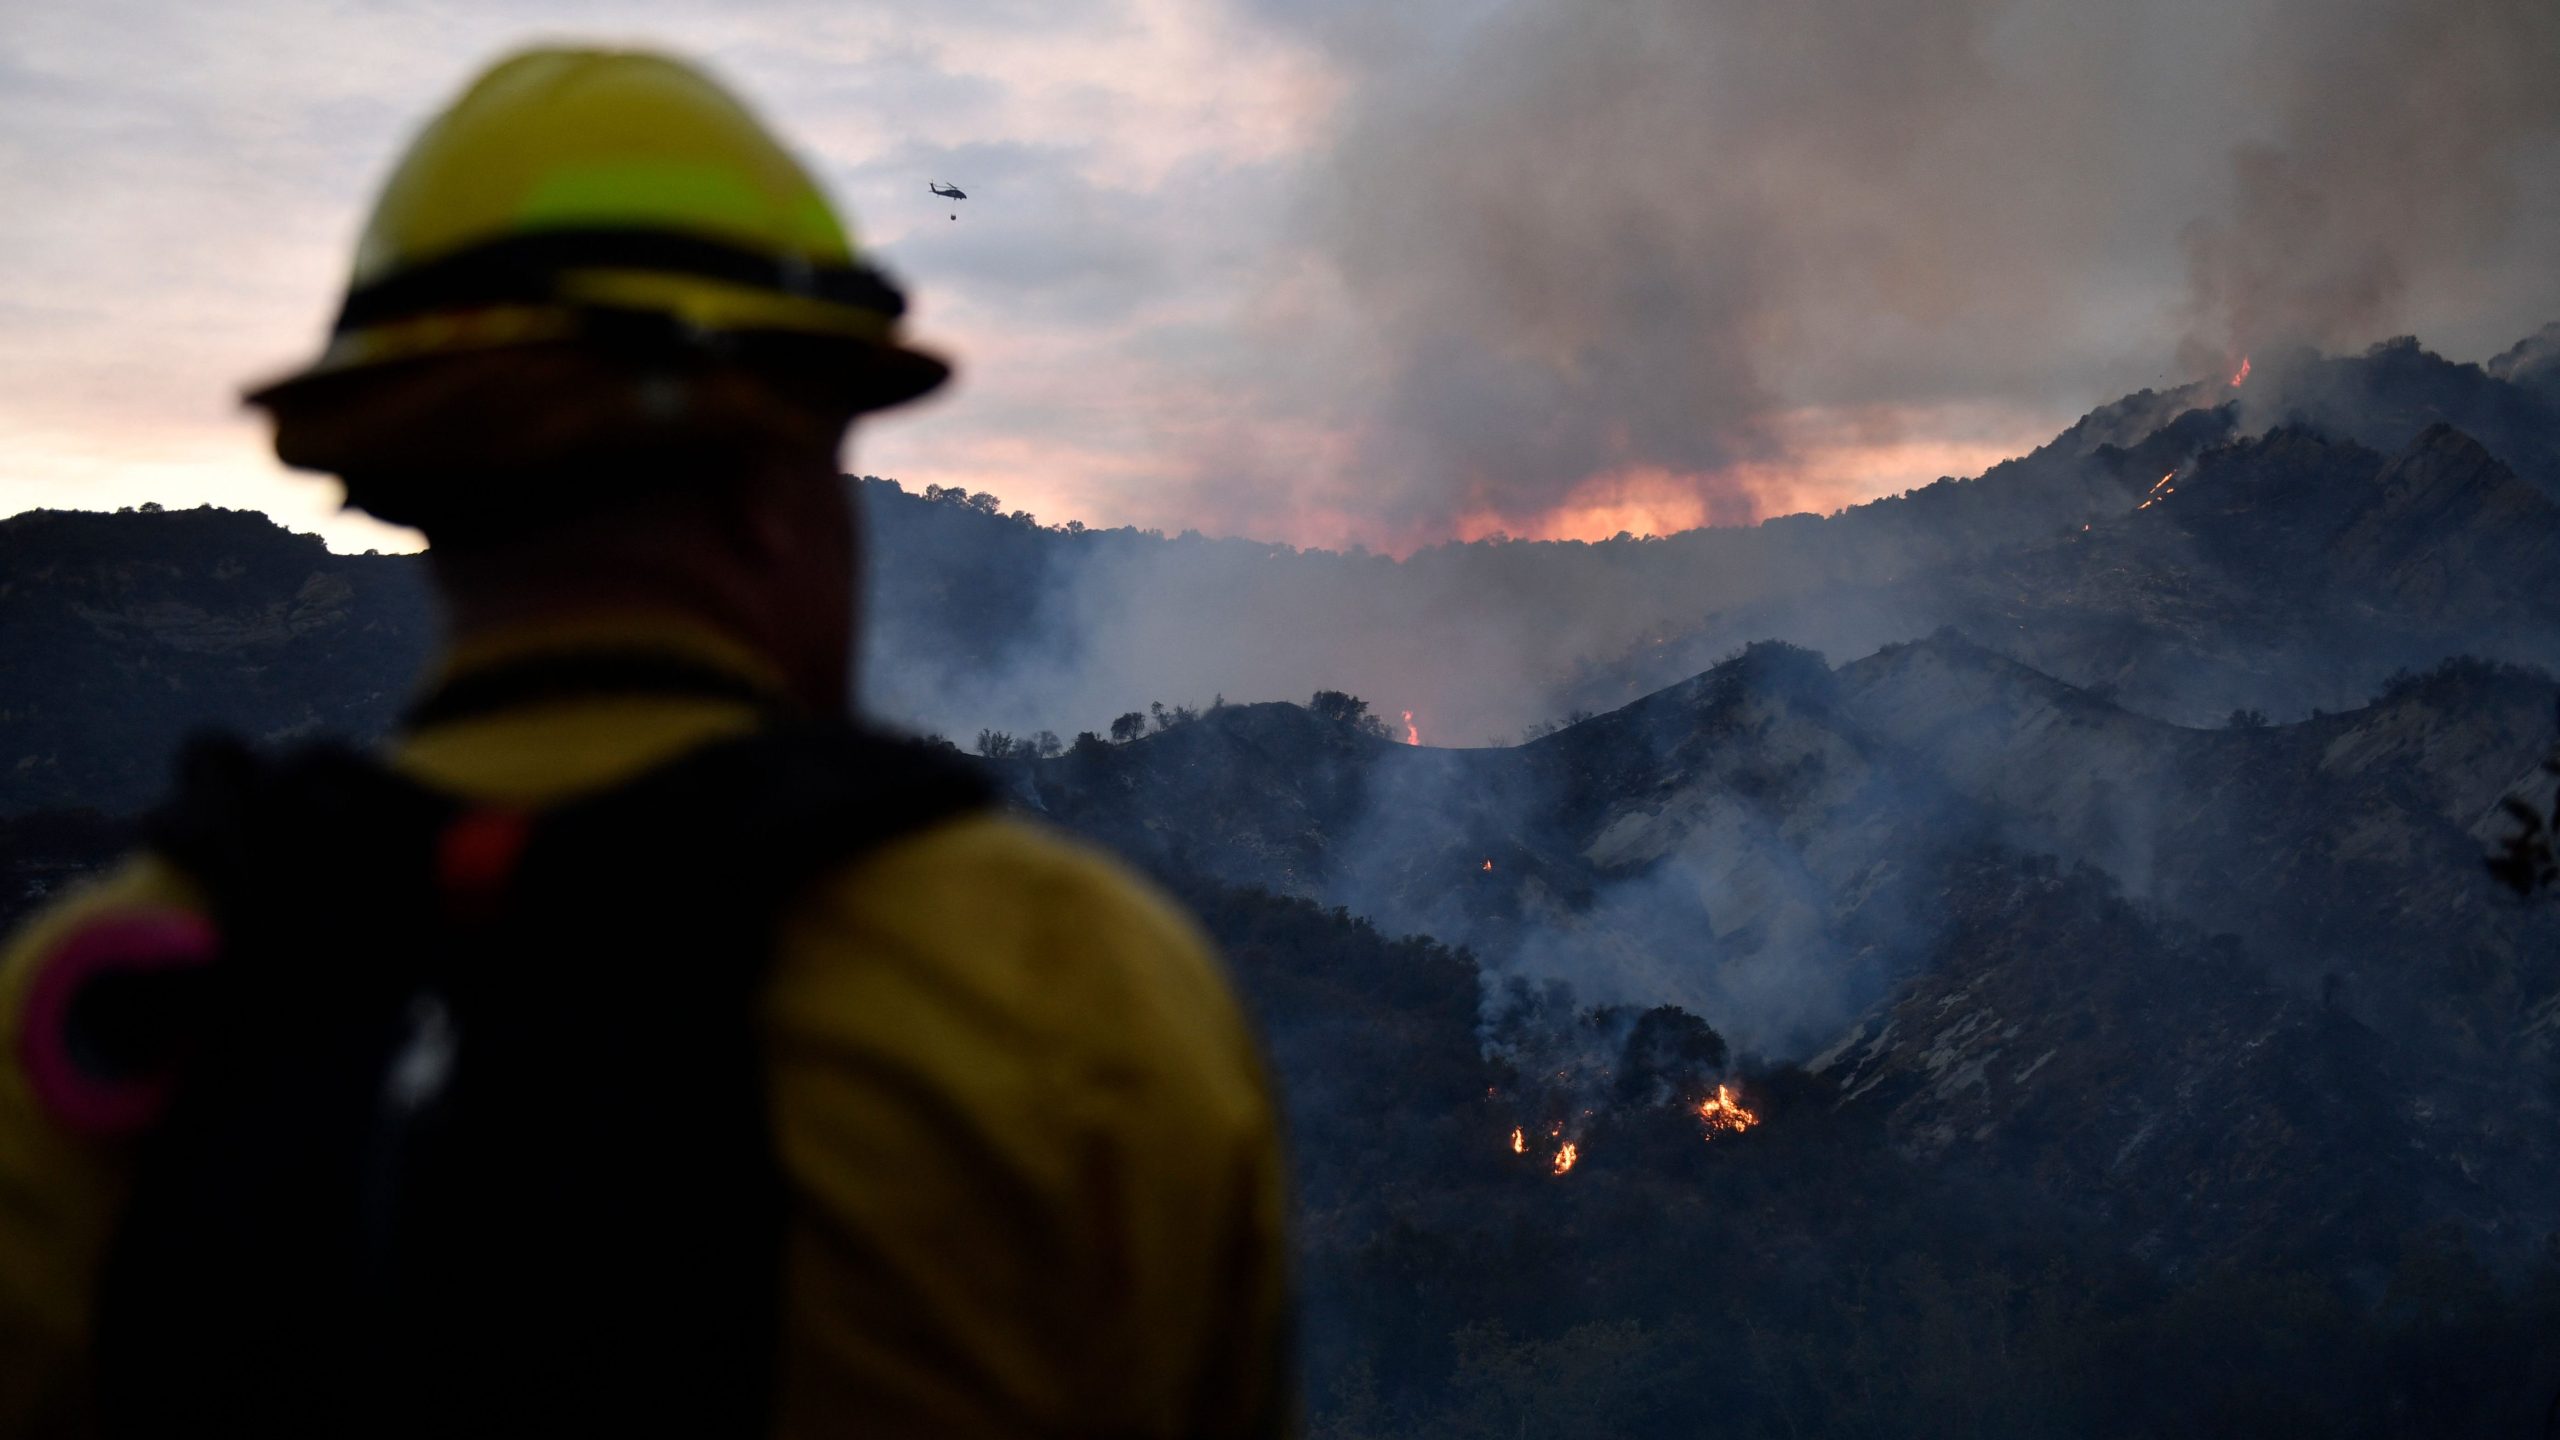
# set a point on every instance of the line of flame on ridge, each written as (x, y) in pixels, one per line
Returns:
(1723, 1112)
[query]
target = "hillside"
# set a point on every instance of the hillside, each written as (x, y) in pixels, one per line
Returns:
(2283, 574)
(121, 633)
(2280, 569)
(2218, 597)
(1799, 856)
(2081, 1009)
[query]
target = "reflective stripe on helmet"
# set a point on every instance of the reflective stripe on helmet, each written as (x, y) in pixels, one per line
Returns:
(532, 267)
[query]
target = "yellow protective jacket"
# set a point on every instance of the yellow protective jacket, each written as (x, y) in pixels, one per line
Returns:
(1082, 1237)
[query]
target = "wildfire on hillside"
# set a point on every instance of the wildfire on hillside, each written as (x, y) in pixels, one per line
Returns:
(2160, 489)
(1412, 733)
(1724, 1111)
(2240, 376)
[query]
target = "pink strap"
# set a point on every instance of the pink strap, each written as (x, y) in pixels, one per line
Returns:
(130, 941)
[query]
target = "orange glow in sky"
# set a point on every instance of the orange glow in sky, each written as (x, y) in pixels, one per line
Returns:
(1824, 475)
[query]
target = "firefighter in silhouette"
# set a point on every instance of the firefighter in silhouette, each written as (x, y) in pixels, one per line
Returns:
(639, 1046)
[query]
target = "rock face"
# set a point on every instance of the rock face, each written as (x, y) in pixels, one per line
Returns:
(121, 633)
(2156, 1079)
(2532, 363)
(2450, 532)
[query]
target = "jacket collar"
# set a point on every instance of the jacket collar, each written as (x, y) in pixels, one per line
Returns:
(626, 648)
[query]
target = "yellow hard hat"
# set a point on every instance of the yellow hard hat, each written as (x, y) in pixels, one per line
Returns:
(608, 199)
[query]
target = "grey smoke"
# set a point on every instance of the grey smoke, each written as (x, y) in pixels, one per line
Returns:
(2411, 161)
(1568, 239)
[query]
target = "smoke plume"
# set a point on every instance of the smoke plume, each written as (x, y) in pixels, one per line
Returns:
(1566, 253)
(2408, 141)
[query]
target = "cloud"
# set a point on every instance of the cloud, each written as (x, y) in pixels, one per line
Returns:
(1568, 243)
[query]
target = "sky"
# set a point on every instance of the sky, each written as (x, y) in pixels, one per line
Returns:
(1337, 273)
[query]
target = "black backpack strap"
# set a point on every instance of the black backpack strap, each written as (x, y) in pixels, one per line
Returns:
(758, 818)
(501, 1161)
(329, 827)
(592, 674)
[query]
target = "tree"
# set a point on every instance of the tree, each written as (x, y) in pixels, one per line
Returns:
(1045, 745)
(2247, 720)
(1345, 709)
(997, 745)
(1670, 1056)
(1129, 727)
(1338, 706)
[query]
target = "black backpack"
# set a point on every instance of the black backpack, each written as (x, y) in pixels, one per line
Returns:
(468, 1132)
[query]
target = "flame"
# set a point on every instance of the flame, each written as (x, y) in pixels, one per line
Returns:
(2161, 489)
(1566, 1156)
(1519, 1142)
(1724, 1110)
(1488, 864)
(2240, 376)
(1412, 735)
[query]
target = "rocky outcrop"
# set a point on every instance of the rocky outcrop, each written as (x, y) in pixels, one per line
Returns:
(2449, 532)
(122, 633)
(2154, 1079)
(2532, 363)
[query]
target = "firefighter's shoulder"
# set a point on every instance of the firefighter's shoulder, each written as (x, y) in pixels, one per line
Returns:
(63, 1150)
(1025, 1118)
(1010, 925)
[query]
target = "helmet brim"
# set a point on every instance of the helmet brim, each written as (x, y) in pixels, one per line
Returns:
(857, 376)
(529, 408)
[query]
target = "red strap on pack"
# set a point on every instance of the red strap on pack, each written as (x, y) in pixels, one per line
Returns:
(476, 857)
(77, 1096)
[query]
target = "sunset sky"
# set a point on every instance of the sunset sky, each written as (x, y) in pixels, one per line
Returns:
(1337, 273)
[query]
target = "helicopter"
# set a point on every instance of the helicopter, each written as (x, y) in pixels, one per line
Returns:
(947, 192)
